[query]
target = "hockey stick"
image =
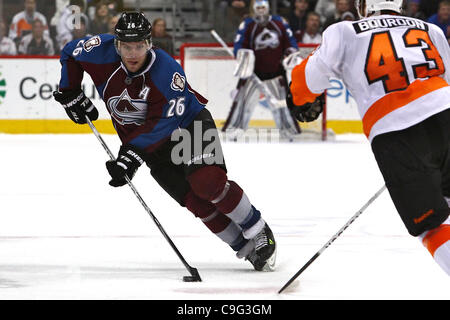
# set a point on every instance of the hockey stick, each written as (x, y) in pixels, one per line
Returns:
(318, 253)
(193, 271)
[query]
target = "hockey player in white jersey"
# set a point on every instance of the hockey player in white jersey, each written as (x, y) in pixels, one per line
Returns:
(398, 70)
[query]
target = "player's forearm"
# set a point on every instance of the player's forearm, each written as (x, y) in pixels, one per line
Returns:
(301, 93)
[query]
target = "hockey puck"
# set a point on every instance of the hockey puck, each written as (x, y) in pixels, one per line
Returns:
(191, 279)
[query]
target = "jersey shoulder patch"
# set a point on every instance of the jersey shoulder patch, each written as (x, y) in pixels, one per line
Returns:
(178, 82)
(97, 49)
(91, 43)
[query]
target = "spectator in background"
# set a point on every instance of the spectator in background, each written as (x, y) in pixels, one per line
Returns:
(60, 7)
(297, 18)
(429, 7)
(7, 46)
(71, 16)
(115, 7)
(442, 17)
(283, 7)
(21, 23)
(160, 37)
(312, 33)
(37, 43)
(81, 30)
(413, 10)
(341, 7)
(102, 16)
(235, 12)
(325, 9)
(112, 24)
(348, 16)
(238, 3)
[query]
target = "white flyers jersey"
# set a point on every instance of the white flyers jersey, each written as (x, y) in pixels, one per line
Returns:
(397, 69)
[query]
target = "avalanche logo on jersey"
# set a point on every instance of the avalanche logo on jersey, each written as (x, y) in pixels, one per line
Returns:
(126, 110)
(92, 43)
(267, 39)
(178, 82)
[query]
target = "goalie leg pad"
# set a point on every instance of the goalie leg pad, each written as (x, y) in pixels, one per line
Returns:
(245, 63)
(243, 106)
(281, 114)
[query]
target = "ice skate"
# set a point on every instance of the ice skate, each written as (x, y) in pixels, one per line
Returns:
(263, 256)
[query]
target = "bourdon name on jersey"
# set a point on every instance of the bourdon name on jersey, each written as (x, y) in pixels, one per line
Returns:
(371, 24)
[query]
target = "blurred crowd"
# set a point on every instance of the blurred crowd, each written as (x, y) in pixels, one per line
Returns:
(43, 27)
(309, 18)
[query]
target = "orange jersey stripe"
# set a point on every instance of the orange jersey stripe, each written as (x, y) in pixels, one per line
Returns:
(300, 91)
(436, 237)
(398, 99)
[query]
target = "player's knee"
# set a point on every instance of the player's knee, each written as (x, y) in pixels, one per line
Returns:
(200, 208)
(208, 182)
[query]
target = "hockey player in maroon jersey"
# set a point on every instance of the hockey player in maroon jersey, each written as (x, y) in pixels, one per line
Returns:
(261, 44)
(150, 102)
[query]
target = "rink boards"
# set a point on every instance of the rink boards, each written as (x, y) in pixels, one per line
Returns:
(27, 106)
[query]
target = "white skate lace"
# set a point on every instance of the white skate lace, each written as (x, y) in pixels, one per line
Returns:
(260, 240)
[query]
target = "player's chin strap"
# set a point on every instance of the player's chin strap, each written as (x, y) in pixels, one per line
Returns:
(282, 117)
(193, 271)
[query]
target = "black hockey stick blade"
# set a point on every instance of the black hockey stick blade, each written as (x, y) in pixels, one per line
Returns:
(194, 277)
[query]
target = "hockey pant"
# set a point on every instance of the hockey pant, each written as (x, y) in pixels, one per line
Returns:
(246, 99)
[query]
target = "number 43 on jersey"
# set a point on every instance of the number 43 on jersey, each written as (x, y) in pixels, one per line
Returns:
(384, 64)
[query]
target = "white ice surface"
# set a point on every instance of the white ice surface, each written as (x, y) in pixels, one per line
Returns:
(66, 234)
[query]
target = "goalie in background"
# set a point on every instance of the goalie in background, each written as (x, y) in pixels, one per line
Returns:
(261, 44)
(397, 69)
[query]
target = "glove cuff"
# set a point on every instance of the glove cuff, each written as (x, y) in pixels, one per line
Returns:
(65, 97)
(138, 155)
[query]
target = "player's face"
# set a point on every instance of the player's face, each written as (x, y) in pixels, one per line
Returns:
(133, 54)
(261, 10)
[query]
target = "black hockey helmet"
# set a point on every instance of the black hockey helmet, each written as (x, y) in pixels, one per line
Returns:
(133, 27)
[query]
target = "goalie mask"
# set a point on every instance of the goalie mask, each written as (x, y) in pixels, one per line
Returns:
(261, 11)
(133, 35)
(369, 7)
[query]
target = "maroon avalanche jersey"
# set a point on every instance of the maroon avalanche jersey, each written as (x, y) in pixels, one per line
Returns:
(270, 44)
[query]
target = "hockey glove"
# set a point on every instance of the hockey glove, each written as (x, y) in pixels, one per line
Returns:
(128, 161)
(307, 112)
(76, 105)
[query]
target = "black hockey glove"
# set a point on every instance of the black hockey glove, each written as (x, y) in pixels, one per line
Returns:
(128, 161)
(307, 112)
(76, 105)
